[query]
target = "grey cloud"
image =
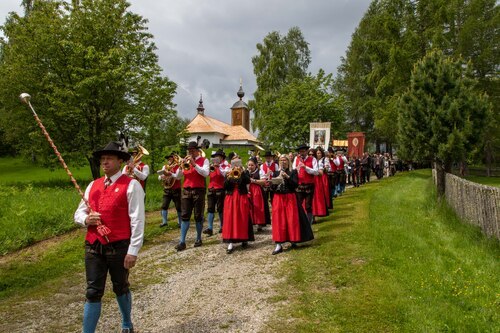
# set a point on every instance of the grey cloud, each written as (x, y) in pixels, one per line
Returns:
(206, 46)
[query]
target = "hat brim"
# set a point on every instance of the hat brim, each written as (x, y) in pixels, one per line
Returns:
(302, 147)
(121, 154)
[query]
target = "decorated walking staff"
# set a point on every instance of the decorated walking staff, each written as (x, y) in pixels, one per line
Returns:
(101, 228)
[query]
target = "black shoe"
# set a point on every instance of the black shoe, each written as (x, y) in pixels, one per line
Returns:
(244, 245)
(220, 231)
(278, 251)
(161, 226)
(229, 251)
(180, 247)
(294, 246)
(208, 232)
(259, 228)
(197, 243)
(127, 330)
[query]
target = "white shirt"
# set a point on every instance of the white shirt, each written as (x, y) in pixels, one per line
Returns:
(142, 175)
(135, 199)
(324, 163)
(262, 173)
(312, 171)
(176, 175)
(203, 170)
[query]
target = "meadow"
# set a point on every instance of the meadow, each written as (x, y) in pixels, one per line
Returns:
(393, 258)
(37, 203)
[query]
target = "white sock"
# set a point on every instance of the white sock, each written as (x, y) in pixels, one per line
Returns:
(230, 246)
(278, 247)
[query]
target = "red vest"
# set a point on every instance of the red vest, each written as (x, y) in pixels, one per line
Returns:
(139, 167)
(112, 204)
(177, 182)
(341, 164)
(192, 178)
(333, 167)
(266, 168)
(304, 177)
(216, 179)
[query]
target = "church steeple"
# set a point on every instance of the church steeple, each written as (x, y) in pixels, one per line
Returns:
(240, 113)
(201, 108)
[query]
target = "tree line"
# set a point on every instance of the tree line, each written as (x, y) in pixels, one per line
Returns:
(92, 71)
(420, 76)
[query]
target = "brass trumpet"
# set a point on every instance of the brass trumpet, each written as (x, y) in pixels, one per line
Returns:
(234, 173)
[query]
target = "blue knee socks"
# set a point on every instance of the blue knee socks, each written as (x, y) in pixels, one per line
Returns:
(91, 314)
(199, 229)
(164, 215)
(210, 217)
(179, 219)
(125, 305)
(184, 230)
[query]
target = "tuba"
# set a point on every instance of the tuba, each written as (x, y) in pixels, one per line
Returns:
(141, 151)
(169, 181)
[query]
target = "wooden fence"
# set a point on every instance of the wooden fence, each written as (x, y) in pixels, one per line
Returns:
(475, 203)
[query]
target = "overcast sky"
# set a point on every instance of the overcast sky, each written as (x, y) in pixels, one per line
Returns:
(205, 46)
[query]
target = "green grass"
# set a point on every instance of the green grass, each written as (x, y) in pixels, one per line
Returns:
(490, 181)
(37, 203)
(392, 259)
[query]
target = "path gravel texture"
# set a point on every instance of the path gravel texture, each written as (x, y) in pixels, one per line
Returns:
(199, 290)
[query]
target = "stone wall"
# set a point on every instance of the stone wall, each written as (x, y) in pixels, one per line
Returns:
(474, 203)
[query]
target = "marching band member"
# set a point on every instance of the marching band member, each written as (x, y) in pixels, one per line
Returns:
(116, 201)
(193, 193)
(171, 179)
(237, 224)
(340, 162)
(259, 210)
(267, 169)
(290, 222)
(321, 196)
(137, 169)
(307, 168)
(215, 196)
(332, 174)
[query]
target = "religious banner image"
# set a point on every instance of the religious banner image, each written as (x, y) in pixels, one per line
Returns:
(319, 135)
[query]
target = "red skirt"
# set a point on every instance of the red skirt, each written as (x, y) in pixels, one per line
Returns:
(257, 209)
(285, 217)
(319, 206)
(237, 226)
(326, 187)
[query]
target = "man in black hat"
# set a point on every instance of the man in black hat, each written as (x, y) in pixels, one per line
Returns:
(193, 193)
(170, 176)
(117, 202)
(307, 168)
(216, 192)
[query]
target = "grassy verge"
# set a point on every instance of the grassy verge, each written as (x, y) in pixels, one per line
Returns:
(51, 261)
(391, 259)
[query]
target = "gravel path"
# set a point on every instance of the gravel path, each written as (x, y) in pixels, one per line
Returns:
(197, 290)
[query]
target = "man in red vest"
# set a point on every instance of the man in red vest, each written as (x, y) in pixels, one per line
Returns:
(307, 168)
(116, 201)
(193, 193)
(170, 176)
(138, 169)
(216, 192)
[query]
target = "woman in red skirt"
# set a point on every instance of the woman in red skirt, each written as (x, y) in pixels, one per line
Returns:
(320, 204)
(324, 168)
(259, 209)
(290, 222)
(237, 226)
